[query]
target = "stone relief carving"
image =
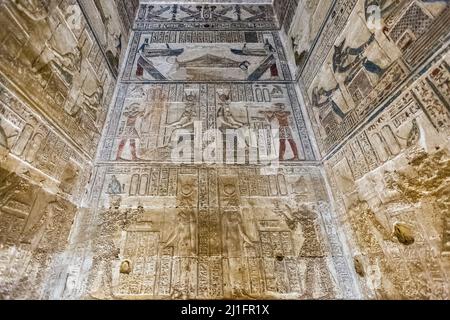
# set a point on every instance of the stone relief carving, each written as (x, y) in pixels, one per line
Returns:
(110, 23)
(389, 182)
(368, 70)
(155, 116)
(55, 88)
(34, 227)
(208, 55)
(220, 16)
(51, 60)
(148, 228)
(127, 11)
(172, 245)
(31, 139)
(303, 30)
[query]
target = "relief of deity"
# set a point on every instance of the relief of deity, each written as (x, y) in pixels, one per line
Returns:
(225, 117)
(184, 235)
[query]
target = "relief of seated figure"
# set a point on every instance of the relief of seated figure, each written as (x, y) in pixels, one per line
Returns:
(36, 10)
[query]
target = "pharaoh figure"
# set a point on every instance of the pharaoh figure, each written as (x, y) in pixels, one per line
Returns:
(114, 186)
(273, 66)
(299, 56)
(151, 122)
(350, 60)
(133, 113)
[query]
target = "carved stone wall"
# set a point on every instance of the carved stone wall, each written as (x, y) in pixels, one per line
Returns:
(377, 94)
(34, 227)
(111, 23)
(52, 63)
(56, 85)
(98, 200)
(156, 227)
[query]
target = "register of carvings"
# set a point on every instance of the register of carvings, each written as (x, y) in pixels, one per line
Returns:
(97, 96)
(350, 74)
(212, 233)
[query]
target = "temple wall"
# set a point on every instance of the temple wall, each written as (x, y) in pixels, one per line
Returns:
(98, 200)
(56, 84)
(378, 100)
(165, 227)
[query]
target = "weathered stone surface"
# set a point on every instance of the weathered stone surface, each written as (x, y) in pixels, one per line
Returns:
(111, 186)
